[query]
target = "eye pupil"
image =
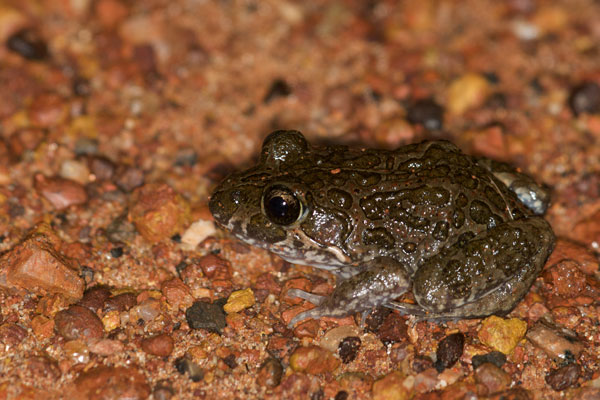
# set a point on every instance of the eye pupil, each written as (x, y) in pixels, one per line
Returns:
(281, 205)
(278, 207)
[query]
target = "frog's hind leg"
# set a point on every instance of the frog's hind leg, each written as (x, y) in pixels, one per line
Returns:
(488, 274)
(380, 281)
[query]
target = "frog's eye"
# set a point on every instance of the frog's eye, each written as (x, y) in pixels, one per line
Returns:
(281, 205)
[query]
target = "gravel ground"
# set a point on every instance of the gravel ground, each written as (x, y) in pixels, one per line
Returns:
(119, 117)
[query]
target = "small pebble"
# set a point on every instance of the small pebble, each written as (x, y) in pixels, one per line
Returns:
(106, 347)
(393, 329)
(86, 146)
(279, 88)
(12, 334)
(36, 265)
(313, 360)
(270, 373)
(196, 233)
(466, 92)
(348, 349)
(160, 345)
(585, 98)
(421, 363)
(116, 252)
(146, 311)
(78, 322)
(77, 351)
(95, 297)
(556, 344)
(494, 357)
(391, 387)
(332, 339)
(239, 300)
(502, 334)
(42, 327)
(61, 193)
(376, 318)
(492, 378)
(28, 44)
(75, 170)
(177, 293)
(184, 365)
(214, 267)
(104, 382)
(341, 395)
(207, 316)
(428, 113)
(129, 178)
(563, 377)
(449, 351)
(158, 212)
(121, 302)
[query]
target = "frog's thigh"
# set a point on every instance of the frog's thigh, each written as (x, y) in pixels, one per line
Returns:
(380, 281)
(488, 275)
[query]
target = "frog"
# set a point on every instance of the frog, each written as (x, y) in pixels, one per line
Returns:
(464, 234)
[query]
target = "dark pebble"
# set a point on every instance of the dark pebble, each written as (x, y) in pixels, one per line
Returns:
(585, 98)
(78, 322)
(184, 365)
(102, 168)
(81, 87)
(495, 357)
(428, 113)
(270, 373)
(279, 88)
(318, 395)
(176, 238)
(341, 395)
(348, 349)
(230, 361)
(564, 377)
(28, 44)
(86, 146)
(116, 252)
(496, 100)
(449, 351)
(121, 302)
(421, 363)
(210, 317)
(94, 297)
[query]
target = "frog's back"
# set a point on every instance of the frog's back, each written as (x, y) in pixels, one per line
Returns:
(406, 203)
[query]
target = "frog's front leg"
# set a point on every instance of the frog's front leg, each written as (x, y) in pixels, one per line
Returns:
(380, 281)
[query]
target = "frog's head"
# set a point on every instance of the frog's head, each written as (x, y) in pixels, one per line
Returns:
(270, 206)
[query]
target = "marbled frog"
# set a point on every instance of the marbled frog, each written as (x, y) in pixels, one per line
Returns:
(463, 233)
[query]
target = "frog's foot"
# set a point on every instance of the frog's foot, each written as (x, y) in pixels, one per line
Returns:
(382, 280)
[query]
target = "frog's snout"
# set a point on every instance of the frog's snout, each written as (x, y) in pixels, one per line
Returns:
(221, 207)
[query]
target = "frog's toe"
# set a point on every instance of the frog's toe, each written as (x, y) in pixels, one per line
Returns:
(312, 298)
(313, 313)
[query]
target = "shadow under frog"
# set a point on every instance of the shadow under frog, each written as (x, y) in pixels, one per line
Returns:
(464, 234)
